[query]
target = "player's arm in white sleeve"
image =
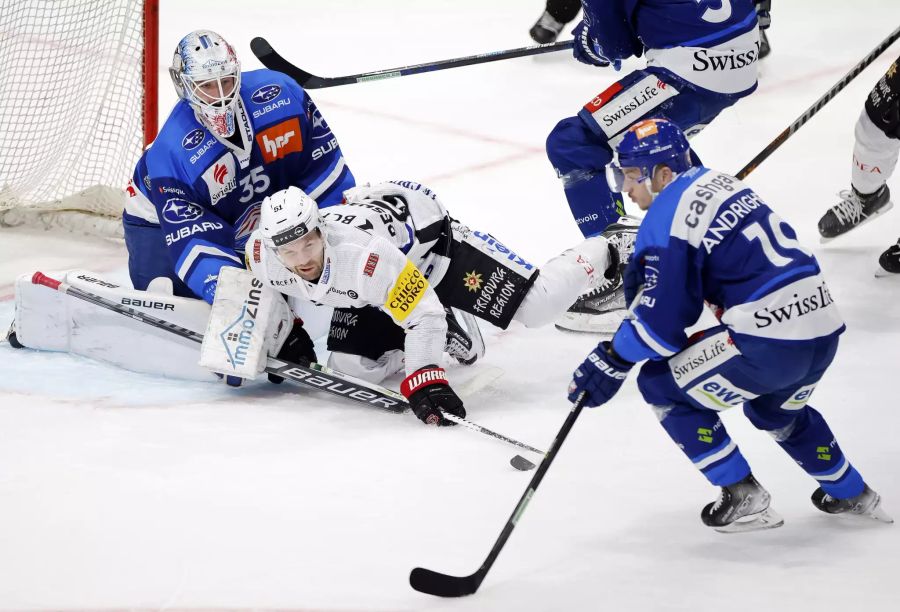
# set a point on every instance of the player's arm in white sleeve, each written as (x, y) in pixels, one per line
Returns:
(405, 294)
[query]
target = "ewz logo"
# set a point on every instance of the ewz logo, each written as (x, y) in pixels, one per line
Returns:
(719, 393)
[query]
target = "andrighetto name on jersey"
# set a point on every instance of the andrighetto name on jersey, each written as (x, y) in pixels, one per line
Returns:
(728, 217)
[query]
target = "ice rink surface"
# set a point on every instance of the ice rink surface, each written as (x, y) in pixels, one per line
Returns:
(125, 491)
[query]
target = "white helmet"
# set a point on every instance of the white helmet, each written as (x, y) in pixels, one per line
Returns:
(202, 57)
(288, 215)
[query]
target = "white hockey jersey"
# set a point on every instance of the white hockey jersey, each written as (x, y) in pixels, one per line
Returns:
(382, 249)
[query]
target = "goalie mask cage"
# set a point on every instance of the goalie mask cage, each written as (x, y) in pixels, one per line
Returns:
(78, 102)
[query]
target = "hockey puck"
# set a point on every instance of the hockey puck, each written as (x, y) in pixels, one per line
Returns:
(521, 463)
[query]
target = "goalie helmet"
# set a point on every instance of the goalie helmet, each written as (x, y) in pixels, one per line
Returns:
(647, 144)
(206, 73)
(288, 215)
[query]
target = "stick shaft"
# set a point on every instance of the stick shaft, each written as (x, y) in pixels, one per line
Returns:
(818, 104)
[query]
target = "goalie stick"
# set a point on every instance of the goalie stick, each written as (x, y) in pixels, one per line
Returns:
(314, 375)
(271, 59)
(818, 104)
(444, 585)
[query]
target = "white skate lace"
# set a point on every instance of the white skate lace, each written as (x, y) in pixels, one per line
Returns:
(849, 210)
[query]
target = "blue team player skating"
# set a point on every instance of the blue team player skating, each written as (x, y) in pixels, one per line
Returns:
(701, 57)
(232, 139)
(707, 237)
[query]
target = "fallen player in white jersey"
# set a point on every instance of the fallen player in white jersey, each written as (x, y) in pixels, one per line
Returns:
(392, 261)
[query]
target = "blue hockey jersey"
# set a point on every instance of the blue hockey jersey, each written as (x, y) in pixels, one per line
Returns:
(713, 44)
(708, 237)
(206, 193)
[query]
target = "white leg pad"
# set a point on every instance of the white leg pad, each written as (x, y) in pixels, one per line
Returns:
(874, 156)
(51, 321)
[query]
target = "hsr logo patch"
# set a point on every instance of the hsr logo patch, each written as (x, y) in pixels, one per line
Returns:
(280, 140)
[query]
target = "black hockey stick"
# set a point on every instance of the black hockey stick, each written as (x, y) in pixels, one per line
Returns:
(272, 60)
(314, 375)
(444, 585)
(818, 104)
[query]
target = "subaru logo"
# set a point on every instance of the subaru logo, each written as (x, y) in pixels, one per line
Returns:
(180, 211)
(265, 93)
(193, 139)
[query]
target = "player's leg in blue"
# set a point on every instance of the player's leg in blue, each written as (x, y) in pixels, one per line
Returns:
(148, 257)
(579, 157)
(806, 437)
(698, 431)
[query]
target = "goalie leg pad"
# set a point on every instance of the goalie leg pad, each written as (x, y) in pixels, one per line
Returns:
(52, 321)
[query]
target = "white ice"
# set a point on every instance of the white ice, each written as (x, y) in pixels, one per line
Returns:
(120, 490)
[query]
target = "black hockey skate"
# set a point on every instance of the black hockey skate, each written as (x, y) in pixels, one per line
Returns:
(603, 309)
(867, 504)
(464, 345)
(546, 30)
(764, 47)
(743, 506)
(889, 262)
(853, 210)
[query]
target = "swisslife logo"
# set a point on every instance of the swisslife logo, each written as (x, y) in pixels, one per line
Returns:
(280, 140)
(220, 178)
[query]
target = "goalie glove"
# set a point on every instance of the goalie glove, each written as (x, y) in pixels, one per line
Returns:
(429, 393)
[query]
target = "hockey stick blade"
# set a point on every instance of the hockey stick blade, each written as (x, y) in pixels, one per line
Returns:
(443, 585)
(273, 61)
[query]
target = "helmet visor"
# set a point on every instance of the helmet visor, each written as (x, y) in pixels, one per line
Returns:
(622, 180)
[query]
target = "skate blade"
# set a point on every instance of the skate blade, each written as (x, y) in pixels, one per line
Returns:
(767, 519)
(603, 323)
(881, 211)
(882, 273)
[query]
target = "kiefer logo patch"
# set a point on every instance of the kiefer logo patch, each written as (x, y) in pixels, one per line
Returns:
(371, 262)
(280, 140)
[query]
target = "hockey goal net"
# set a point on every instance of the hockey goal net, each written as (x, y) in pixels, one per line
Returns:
(78, 91)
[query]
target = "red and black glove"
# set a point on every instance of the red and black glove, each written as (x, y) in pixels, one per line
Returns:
(429, 393)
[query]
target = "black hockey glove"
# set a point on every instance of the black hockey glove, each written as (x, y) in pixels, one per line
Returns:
(298, 348)
(428, 393)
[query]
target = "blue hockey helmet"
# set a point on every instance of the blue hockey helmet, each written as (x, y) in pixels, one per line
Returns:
(647, 144)
(206, 72)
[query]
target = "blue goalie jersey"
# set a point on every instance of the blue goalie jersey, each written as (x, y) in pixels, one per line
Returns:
(709, 238)
(205, 193)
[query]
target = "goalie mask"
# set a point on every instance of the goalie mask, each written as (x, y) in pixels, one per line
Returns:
(292, 226)
(206, 73)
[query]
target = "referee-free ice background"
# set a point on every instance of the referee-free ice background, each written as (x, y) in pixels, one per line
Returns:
(126, 491)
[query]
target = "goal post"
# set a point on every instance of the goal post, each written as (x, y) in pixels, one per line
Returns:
(78, 103)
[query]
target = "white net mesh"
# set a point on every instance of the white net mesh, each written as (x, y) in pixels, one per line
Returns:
(71, 107)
